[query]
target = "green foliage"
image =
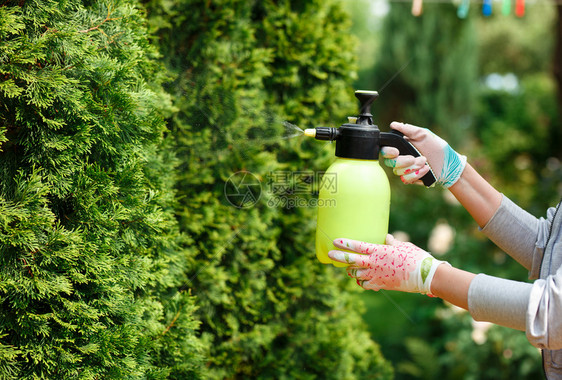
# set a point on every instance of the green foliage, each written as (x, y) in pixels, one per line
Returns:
(520, 135)
(522, 46)
(423, 362)
(426, 69)
(444, 347)
(366, 26)
(241, 70)
(501, 353)
(89, 248)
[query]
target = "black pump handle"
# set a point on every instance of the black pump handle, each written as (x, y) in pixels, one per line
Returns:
(396, 139)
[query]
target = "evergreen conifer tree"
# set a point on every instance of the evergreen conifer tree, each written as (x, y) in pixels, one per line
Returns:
(90, 257)
(268, 308)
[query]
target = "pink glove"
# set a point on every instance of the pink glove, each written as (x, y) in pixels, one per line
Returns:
(447, 164)
(396, 266)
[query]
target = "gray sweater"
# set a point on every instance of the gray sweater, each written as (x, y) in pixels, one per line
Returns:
(535, 308)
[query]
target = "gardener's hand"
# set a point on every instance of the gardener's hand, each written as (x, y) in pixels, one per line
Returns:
(447, 165)
(395, 266)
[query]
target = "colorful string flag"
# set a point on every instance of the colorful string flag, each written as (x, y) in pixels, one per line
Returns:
(520, 8)
(417, 6)
(487, 7)
(506, 7)
(462, 10)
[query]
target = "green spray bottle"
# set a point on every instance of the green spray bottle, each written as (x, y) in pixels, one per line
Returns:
(354, 196)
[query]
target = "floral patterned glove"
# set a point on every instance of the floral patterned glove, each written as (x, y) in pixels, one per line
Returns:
(395, 266)
(447, 164)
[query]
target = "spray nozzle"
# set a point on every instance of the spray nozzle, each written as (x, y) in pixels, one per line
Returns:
(311, 132)
(322, 133)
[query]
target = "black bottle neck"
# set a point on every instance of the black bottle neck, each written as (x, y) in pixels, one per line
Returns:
(360, 141)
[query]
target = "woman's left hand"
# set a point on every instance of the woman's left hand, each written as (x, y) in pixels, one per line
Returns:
(394, 266)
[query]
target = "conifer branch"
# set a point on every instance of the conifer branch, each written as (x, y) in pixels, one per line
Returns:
(48, 30)
(107, 18)
(26, 265)
(172, 323)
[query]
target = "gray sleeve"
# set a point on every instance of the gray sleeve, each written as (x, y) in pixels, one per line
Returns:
(500, 301)
(544, 324)
(534, 308)
(519, 234)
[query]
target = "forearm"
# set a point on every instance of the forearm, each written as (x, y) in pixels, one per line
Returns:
(476, 195)
(515, 231)
(452, 284)
(491, 299)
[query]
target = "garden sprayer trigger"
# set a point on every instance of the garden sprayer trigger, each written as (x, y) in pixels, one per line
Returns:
(354, 196)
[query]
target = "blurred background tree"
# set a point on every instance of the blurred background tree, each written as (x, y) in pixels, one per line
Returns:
(485, 84)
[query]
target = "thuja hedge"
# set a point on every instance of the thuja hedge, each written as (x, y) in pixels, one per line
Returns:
(120, 256)
(90, 251)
